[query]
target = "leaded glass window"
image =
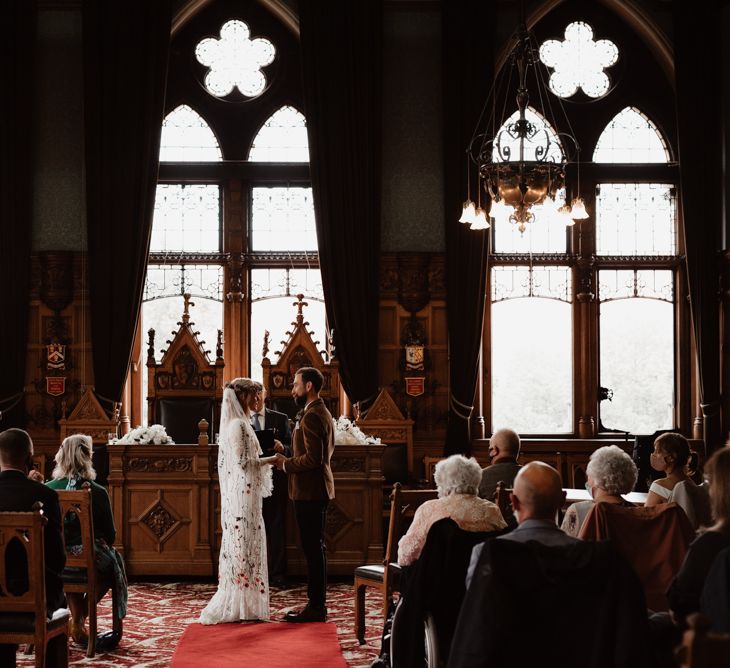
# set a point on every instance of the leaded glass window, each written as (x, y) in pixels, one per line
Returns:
(579, 61)
(235, 60)
(637, 349)
(532, 349)
(283, 138)
(186, 137)
(546, 234)
(187, 218)
(273, 296)
(630, 137)
(282, 218)
(636, 219)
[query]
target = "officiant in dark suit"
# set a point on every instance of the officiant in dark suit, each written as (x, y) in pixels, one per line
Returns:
(274, 507)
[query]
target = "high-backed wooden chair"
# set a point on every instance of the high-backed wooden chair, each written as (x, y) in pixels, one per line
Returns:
(80, 575)
(700, 648)
(403, 505)
(184, 386)
(429, 468)
(23, 615)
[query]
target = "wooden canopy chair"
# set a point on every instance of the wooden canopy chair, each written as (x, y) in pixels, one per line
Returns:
(299, 350)
(185, 386)
(700, 647)
(23, 615)
(80, 575)
(403, 505)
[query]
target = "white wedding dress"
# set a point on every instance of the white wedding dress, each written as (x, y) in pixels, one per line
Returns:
(243, 581)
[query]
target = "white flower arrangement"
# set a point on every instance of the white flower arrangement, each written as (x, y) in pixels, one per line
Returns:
(348, 433)
(154, 434)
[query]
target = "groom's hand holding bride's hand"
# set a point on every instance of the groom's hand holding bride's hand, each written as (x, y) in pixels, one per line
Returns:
(279, 460)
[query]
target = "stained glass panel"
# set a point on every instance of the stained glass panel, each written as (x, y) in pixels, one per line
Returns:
(512, 282)
(283, 138)
(186, 137)
(630, 138)
(636, 219)
(282, 218)
(186, 218)
(235, 60)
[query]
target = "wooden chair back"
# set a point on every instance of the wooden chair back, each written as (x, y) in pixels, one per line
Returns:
(76, 506)
(24, 532)
(429, 468)
(700, 648)
(403, 505)
(503, 501)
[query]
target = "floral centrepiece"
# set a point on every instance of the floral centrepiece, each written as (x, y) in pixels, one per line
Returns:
(348, 433)
(154, 434)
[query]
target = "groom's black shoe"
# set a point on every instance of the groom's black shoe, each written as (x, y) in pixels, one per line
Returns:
(307, 614)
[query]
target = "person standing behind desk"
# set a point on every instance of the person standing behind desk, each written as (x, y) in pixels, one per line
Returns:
(274, 506)
(311, 486)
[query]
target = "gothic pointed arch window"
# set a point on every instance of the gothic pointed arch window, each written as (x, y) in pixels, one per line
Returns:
(583, 332)
(234, 218)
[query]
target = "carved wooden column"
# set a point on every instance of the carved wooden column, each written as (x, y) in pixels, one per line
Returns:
(235, 312)
(584, 347)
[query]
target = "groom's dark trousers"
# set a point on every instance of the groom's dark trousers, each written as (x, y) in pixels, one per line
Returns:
(311, 517)
(311, 487)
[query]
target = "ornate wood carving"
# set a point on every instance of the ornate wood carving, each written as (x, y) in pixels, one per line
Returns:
(88, 417)
(158, 520)
(413, 291)
(336, 522)
(159, 464)
(348, 464)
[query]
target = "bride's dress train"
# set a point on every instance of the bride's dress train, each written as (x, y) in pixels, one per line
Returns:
(243, 582)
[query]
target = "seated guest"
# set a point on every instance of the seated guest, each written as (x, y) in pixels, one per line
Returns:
(686, 588)
(536, 498)
(611, 473)
(673, 457)
(457, 481)
(73, 470)
(18, 493)
(504, 448)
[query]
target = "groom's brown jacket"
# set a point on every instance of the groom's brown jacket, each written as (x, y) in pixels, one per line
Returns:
(313, 442)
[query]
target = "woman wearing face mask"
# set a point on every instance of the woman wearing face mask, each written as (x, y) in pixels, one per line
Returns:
(611, 473)
(673, 457)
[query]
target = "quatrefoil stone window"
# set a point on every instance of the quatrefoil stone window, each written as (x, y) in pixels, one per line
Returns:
(235, 60)
(579, 61)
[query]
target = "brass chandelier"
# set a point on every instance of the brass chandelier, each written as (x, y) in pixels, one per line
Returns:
(521, 160)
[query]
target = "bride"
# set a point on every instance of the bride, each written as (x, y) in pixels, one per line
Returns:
(244, 478)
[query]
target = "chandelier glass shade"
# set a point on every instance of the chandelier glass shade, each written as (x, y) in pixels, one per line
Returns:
(521, 161)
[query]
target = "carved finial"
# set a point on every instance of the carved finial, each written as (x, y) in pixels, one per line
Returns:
(300, 304)
(116, 412)
(186, 307)
(151, 345)
(265, 350)
(219, 346)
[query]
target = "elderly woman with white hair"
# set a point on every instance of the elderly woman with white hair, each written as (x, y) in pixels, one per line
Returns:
(457, 481)
(611, 473)
(74, 470)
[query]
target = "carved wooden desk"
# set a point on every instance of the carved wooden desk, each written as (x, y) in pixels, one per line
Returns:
(166, 508)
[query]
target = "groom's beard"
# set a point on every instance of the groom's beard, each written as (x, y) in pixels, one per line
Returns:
(300, 401)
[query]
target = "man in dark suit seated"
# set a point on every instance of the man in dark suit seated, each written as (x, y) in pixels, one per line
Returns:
(18, 493)
(504, 448)
(274, 507)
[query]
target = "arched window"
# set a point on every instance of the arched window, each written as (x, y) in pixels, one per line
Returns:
(237, 233)
(283, 138)
(631, 138)
(186, 137)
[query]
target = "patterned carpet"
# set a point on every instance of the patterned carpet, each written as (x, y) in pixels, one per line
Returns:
(159, 613)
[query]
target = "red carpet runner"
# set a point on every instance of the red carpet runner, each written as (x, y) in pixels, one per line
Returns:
(271, 645)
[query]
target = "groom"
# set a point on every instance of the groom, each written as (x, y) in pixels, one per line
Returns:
(311, 486)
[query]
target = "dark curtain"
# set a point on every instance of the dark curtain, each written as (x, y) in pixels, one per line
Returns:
(17, 49)
(697, 58)
(125, 55)
(468, 71)
(341, 46)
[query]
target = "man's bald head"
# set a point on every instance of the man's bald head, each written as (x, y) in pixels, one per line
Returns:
(504, 444)
(537, 492)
